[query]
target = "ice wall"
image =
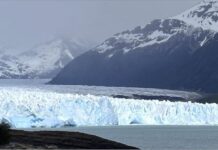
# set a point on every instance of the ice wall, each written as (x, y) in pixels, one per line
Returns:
(24, 108)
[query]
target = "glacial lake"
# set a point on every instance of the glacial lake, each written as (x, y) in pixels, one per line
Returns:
(156, 137)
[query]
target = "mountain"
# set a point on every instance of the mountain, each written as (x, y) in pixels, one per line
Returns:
(10, 65)
(175, 53)
(204, 15)
(43, 61)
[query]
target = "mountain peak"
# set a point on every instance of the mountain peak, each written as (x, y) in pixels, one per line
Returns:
(204, 15)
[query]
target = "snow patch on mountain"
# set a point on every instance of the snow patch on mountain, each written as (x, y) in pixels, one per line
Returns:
(104, 47)
(156, 37)
(129, 38)
(204, 41)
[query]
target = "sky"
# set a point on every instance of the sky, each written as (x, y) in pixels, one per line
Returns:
(26, 23)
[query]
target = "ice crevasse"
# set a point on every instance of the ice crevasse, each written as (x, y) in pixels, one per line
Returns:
(24, 109)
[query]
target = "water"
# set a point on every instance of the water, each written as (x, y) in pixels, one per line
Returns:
(158, 137)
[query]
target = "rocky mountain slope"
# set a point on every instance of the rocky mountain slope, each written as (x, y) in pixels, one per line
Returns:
(175, 53)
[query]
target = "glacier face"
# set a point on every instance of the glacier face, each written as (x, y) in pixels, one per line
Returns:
(24, 108)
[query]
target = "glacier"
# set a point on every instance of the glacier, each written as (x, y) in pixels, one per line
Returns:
(26, 108)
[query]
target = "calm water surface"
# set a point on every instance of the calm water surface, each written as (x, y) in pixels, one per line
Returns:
(158, 137)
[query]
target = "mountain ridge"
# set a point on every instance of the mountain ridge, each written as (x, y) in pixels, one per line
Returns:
(156, 56)
(43, 61)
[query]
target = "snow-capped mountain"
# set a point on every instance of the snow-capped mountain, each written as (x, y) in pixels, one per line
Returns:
(160, 55)
(10, 65)
(47, 59)
(43, 61)
(204, 15)
(158, 32)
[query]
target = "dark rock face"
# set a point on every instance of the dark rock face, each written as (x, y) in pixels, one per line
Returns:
(200, 72)
(164, 54)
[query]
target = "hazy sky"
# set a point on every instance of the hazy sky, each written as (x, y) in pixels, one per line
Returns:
(25, 23)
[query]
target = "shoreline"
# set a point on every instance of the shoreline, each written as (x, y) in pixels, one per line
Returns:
(21, 139)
